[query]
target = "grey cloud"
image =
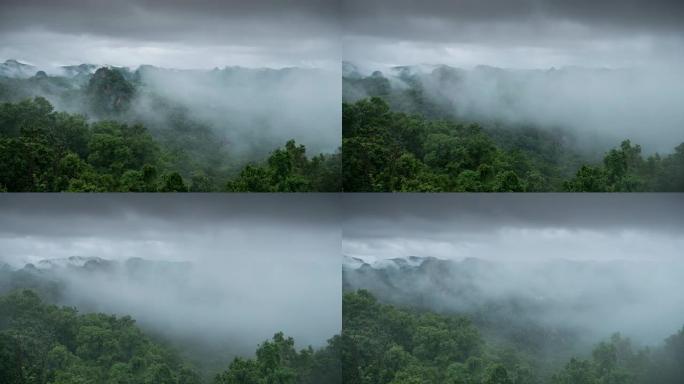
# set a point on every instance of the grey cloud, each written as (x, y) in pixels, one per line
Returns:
(599, 263)
(521, 34)
(407, 214)
(124, 215)
(170, 33)
(258, 264)
(407, 17)
(514, 227)
(171, 20)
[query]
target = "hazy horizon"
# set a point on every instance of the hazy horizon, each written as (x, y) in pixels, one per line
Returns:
(595, 263)
(514, 34)
(203, 34)
(55, 68)
(575, 227)
(241, 286)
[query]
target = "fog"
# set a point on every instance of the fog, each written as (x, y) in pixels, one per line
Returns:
(592, 264)
(252, 108)
(257, 73)
(599, 107)
(251, 111)
(219, 273)
(605, 71)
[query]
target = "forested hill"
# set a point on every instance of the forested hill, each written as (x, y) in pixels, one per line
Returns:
(277, 361)
(385, 150)
(42, 343)
(384, 344)
(532, 310)
(113, 129)
(154, 292)
(56, 279)
(440, 128)
(42, 150)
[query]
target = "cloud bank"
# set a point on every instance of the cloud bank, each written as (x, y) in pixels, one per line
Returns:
(594, 264)
(180, 34)
(515, 34)
(253, 265)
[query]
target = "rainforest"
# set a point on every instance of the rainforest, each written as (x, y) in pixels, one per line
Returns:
(105, 129)
(206, 298)
(389, 344)
(444, 129)
(42, 343)
(512, 289)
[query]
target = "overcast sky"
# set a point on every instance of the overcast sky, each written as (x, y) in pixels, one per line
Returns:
(171, 33)
(260, 263)
(511, 227)
(169, 227)
(274, 33)
(514, 33)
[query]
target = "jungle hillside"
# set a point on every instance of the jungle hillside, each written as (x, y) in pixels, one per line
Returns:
(444, 129)
(89, 128)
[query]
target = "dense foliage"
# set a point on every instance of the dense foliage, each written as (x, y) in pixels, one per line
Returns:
(385, 150)
(625, 170)
(42, 343)
(277, 361)
(137, 131)
(45, 150)
(615, 361)
(385, 344)
(108, 92)
(289, 170)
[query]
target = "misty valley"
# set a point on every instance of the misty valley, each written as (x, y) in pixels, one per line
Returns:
(103, 128)
(425, 320)
(169, 289)
(57, 326)
(404, 320)
(341, 192)
(317, 288)
(437, 128)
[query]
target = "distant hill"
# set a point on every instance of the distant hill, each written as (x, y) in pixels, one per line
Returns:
(517, 294)
(54, 278)
(14, 68)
